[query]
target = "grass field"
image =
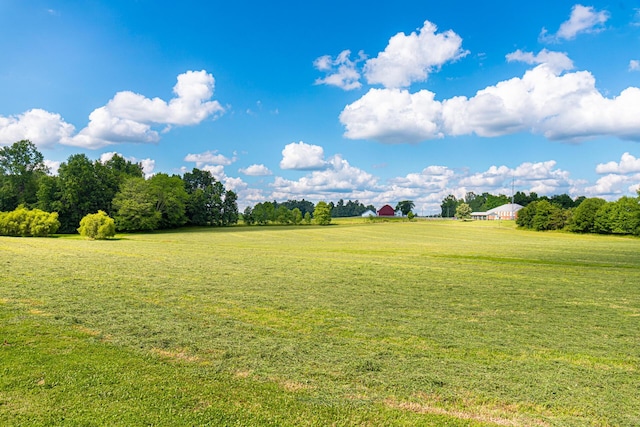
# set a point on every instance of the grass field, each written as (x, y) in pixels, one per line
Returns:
(401, 323)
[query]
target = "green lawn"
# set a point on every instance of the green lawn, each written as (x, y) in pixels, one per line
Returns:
(400, 323)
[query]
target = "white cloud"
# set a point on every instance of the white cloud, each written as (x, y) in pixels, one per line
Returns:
(53, 166)
(608, 186)
(41, 127)
(256, 170)
(148, 165)
(634, 65)
(338, 177)
(628, 164)
(302, 156)
(558, 61)
(394, 116)
(410, 58)
(583, 19)
(544, 101)
(210, 158)
(235, 184)
(341, 71)
(217, 171)
(128, 117)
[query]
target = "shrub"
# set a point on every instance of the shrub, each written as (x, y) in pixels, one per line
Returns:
(25, 222)
(98, 226)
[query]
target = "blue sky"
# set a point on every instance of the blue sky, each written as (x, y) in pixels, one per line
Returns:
(330, 100)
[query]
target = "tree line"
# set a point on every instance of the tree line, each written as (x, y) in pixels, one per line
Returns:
(558, 212)
(117, 187)
(486, 201)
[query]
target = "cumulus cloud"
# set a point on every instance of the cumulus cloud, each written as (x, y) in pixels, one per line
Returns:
(410, 58)
(609, 186)
(302, 156)
(256, 170)
(561, 106)
(394, 116)
(583, 19)
(339, 176)
(628, 164)
(127, 117)
(41, 127)
(209, 158)
(341, 71)
(558, 61)
(540, 177)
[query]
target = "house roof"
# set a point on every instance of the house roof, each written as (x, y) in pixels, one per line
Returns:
(509, 207)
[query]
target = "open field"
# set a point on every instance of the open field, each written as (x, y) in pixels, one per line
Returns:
(400, 323)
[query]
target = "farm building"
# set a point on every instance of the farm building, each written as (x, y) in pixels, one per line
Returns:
(369, 213)
(386, 210)
(508, 211)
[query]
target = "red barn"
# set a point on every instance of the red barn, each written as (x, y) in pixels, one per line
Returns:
(386, 210)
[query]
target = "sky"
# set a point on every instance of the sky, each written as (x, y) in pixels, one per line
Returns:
(360, 100)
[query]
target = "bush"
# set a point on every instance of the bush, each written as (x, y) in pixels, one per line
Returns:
(24, 222)
(97, 226)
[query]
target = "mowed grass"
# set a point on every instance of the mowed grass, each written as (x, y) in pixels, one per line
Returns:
(400, 323)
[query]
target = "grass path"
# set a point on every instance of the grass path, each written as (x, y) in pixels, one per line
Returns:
(422, 323)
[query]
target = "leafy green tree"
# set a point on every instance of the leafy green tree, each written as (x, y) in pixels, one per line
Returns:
(492, 201)
(170, 199)
(523, 199)
(21, 168)
(135, 207)
(82, 191)
(624, 216)
(98, 226)
(296, 215)
(563, 201)
(405, 206)
(602, 221)
(584, 216)
(448, 206)
(247, 216)
(283, 215)
(547, 217)
(230, 208)
(307, 218)
(475, 201)
(463, 211)
(322, 213)
(525, 215)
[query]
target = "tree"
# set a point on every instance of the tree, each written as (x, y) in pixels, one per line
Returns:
(584, 216)
(463, 211)
(405, 206)
(307, 218)
(625, 216)
(475, 201)
(322, 213)
(170, 199)
(97, 226)
(448, 206)
(547, 216)
(296, 215)
(21, 168)
(283, 215)
(247, 216)
(135, 207)
(230, 208)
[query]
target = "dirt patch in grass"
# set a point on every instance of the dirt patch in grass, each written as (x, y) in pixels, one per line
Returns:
(503, 416)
